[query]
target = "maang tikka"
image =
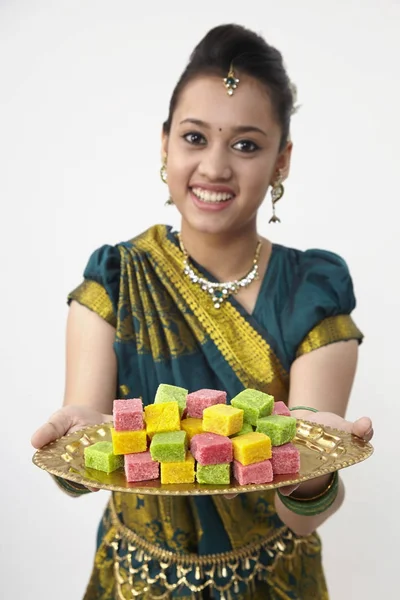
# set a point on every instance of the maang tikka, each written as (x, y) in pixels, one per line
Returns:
(276, 194)
(164, 179)
(230, 81)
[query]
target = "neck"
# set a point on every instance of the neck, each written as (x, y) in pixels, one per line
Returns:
(225, 256)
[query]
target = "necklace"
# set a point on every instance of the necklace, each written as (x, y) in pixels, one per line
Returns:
(220, 291)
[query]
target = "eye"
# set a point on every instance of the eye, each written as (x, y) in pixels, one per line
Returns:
(246, 146)
(195, 138)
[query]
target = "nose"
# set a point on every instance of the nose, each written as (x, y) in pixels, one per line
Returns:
(214, 164)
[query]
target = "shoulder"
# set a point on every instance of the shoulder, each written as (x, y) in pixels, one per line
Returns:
(316, 274)
(106, 260)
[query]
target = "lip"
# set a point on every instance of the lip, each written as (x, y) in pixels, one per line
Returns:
(209, 187)
(208, 207)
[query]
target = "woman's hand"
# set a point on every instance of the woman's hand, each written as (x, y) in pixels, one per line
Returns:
(67, 420)
(362, 428)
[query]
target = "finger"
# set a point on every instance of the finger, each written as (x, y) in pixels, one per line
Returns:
(56, 427)
(362, 428)
(286, 490)
(94, 489)
(230, 496)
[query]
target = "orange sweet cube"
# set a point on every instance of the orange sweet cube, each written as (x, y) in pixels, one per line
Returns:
(129, 442)
(251, 448)
(222, 419)
(192, 426)
(162, 417)
(178, 472)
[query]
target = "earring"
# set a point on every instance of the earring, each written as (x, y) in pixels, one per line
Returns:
(164, 179)
(276, 194)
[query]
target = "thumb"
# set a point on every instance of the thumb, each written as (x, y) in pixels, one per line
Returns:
(58, 424)
(362, 428)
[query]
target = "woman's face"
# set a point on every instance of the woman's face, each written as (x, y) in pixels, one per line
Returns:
(222, 154)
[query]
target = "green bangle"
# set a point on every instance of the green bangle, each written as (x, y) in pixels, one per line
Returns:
(309, 507)
(69, 487)
(304, 408)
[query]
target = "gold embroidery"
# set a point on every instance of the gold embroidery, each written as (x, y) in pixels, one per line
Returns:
(148, 314)
(222, 572)
(328, 331)
(248, 354)
(93, 295)
(124, 390)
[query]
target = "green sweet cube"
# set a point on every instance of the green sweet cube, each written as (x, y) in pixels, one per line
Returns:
(169, 446)
(171, 393)
(214, 474)
(255, 405)
(247, 428)
(278, 428)
(100, 456)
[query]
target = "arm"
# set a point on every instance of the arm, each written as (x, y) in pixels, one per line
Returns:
(322, 379)
(91, 376)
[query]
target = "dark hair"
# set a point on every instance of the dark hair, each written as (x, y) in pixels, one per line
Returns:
(250, 54)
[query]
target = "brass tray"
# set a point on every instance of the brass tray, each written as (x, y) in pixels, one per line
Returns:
(322, 450)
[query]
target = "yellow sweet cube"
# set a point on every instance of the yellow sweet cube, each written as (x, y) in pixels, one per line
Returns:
(192, 426)
(162, 417)
(128, 442)
(178, 472)
(223, 419)
(250, 448)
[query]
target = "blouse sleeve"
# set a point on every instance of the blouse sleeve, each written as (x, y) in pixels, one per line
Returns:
(320, 304)
(99, 290)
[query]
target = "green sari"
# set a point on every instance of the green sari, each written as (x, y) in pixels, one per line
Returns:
(167, 331)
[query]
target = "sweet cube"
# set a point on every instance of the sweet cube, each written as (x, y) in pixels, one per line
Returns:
(178, 472)
(169, 446)
(171, 393)
(128, 442)
(141, 467)
(197, 401)
(162, 417)
(255, 404)
(211, 448)
(192, 426)
(214, 474)
(280, 408)
(285, 459)
(259, 472)
(222, 419)
(128, 415)
(251, 448)
(100, 456)
(279, 429)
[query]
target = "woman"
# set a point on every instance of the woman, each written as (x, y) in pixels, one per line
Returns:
(150, 311)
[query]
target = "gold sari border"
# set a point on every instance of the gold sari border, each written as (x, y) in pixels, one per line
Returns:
(244, 349)
(330, 330)
(94, 296)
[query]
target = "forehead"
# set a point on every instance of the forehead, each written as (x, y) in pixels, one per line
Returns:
(206, 98)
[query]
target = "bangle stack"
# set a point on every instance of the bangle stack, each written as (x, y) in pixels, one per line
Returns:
(309, 507)
(71, 488)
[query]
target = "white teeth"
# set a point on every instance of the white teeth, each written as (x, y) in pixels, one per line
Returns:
(207, 196)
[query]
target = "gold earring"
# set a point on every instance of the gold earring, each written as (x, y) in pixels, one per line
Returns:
(276, 194)
(164, 179)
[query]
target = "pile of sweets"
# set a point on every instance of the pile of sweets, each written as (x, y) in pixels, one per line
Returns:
(183, 438)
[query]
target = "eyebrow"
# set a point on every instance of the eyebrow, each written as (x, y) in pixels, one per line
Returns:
(238, 129)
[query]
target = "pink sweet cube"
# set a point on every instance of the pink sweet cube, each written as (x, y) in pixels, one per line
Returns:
(128, 415)
(285, 459)
(141, 467)
(211, 448)
(280, 408)
(260, 472)
(196, 402)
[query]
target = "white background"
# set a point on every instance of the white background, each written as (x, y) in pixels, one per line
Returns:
(84, 88)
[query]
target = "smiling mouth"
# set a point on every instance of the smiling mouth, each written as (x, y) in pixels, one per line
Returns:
(211, 197)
